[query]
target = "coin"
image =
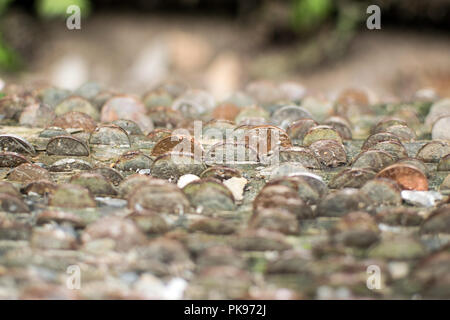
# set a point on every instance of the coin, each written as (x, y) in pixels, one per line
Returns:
(407, 176)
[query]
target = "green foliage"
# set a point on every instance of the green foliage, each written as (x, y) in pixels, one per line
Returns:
(4, 4)
(57, 8)
(9, 60)
(309, 14)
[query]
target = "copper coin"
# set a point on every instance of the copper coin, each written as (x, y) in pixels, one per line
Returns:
(272, 135)
(178, 143)
(227, 111)
(407, 176)
(158, 134)
(75, 119)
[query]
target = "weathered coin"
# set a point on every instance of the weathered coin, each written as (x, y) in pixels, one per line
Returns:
(444, 163)
(209, 195)
(14, 143)
(177, 143)
(67, 146)
(373, 159)
(27, 172)
(110, 135)
(351, 178)
(299, 128)
(71, 196)
(12, 159)
(379, 137)
(433, 151)
(330, 153)
(79, 104)
(321, 133)
(75, 120)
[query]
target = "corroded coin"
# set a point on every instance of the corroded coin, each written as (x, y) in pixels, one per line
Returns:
(173, 165)
(220, 173)
(231, 154)
(438, 221)
(209, 195)
(298, 129)
(27, 172)
(12, 204)
(67, 146)
(75, 120)
(265, 138)
(321, 133)
(383, 191)
(69, 164)
(113, 176)
(309, 187)
(157, 97)
(158, 196)
(356, 229)
(299, 154)
(253, 115)
(12, 159)
(407, 176)
(129, 126)
(51, 132)
(194, 103)
(341, 202)
(217, 129)
(97, 184)
(126, 107)
(65, 194)
(444, 163)
(378, 137)
(177, 143)
(166, 117)
(158, 134)
(341, 125)
(383, 124)
(59, 216)
(285, 115)
(130, 183)
(226, 111)
(351, 178)
(133, 161)
(41, 187)
(272, 219)
(373, 159)
(282, 197)
(404, 132)
(13, 143)
(330, 153)
(9, 188)
(433, 151)
(395, 149)
(110, 135)
(124, 233)
(37, 115)
(79, 104)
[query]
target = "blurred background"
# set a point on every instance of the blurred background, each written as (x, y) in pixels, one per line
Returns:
(221, 45)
